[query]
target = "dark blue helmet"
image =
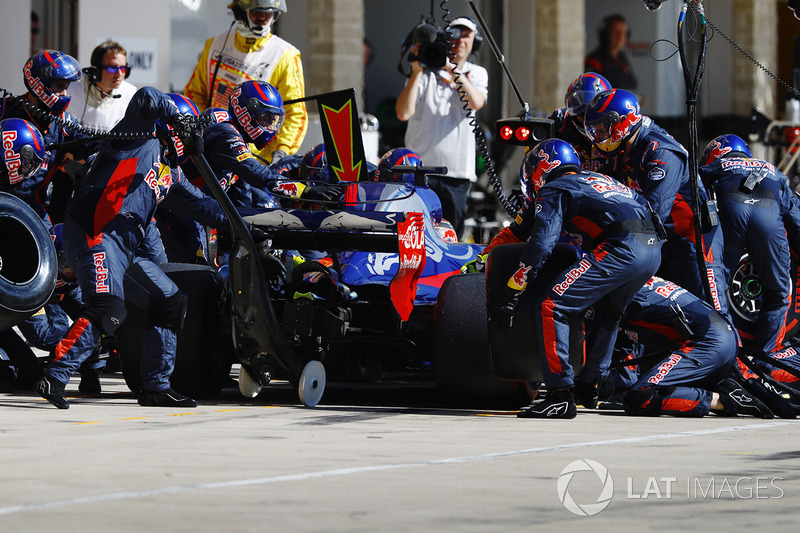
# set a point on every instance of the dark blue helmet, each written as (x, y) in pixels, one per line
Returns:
(611, 118)
(545, 162)
(257, 110)
(399, 156)
(725, 146)
(314, 163)
(176, 155)
(218, 114)
(22, 152)
(582, 90)
(43, 70)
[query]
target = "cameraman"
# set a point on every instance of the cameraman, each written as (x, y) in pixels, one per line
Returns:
(438, 127)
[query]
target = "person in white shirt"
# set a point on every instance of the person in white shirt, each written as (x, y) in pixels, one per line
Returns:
(100, 100)
(439, 129)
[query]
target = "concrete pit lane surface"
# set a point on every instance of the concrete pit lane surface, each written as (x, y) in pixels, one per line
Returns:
(386, 456)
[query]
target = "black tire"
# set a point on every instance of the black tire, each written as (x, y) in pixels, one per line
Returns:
(28, 263)
(205, 346)
(744, 301)
(514, 352)
(461, 365)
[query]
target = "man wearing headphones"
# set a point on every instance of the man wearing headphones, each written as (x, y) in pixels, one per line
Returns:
(100, 101)
(608, 58)
(439, 130)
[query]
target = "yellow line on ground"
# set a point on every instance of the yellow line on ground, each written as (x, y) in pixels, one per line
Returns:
(84, 423)
(226, 410)
(182, 414)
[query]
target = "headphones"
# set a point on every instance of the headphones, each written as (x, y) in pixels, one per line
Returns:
(478, 42)
(605, 28)
(95, 72)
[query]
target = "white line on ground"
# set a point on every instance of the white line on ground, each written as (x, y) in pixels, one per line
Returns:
(129, 495)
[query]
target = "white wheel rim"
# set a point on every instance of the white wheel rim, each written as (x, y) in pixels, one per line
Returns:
(312, 383)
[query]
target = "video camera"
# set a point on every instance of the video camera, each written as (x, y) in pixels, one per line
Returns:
(433, 45)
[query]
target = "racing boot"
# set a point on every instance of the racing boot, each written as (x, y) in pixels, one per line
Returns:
(52, 391)
(558, 403)
(737, 401)
(90, 382)
(585, 394)
(165, 398)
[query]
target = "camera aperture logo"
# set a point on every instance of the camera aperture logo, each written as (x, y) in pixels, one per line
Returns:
(586, 509)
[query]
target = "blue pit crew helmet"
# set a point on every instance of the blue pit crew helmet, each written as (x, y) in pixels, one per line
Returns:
(22, 153)
(611, 118)
(217, 114)
(545, 162)
(398, 156)
(582, 90)
(256, 108)
(725, 146)
(176, 154)
(49, 72)
(314, 163)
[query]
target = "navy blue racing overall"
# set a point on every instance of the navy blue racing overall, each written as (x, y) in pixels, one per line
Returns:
(703, 349)
(109, 234)
(611, 226)
(657, 168)
(756, 218)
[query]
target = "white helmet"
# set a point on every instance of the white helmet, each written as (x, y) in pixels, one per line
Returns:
(246, 27)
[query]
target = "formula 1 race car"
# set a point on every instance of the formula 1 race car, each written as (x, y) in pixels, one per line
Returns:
(379, 305)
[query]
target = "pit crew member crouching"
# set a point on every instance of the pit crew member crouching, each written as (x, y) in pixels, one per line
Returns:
(695, 375)
(613, 227)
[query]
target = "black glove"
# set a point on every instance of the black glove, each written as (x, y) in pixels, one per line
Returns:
(322, 192)
(189, 132)
(506, 308)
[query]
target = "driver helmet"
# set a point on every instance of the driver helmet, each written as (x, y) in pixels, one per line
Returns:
(22, 153)
(256, 109)
(49, 72)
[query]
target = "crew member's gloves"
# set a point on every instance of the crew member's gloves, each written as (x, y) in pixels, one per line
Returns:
(277, 155)
(322, 192)
(189, 132)
(506, 308)
(274, 269)
(476, 266)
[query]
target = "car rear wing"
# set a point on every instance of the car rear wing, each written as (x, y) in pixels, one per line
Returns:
(329, 231)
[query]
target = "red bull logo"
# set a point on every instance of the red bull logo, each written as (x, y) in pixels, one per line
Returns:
(717, 151)
(253, 130)
(572, 276)
(100, 273)
(543, 167)
(664, 369)
(519, 280)
(37, 87)
(623, 128)
(13, 162)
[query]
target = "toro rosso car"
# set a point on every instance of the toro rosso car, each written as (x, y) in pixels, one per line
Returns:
(378, 305)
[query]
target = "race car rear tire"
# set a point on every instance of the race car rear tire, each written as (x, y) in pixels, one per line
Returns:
(514, 351)
(462, 370)
(28, 263)
(205, 346)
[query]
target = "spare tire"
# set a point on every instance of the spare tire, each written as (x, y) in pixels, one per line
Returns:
(28, 263)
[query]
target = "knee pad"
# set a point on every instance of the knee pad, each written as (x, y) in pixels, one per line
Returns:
(106, 312)
(170, 313)
(645, 402)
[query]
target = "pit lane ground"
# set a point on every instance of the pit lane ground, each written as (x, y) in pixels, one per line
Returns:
(382, 457)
